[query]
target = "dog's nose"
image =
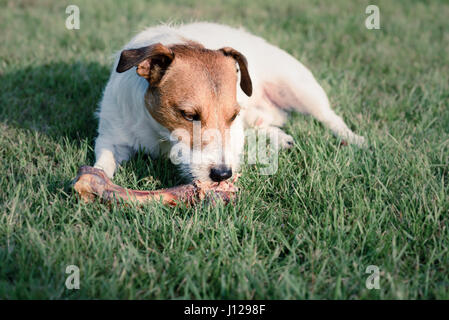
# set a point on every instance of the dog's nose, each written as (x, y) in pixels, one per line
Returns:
(220, 173)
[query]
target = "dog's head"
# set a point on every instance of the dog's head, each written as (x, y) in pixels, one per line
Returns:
(192, 92)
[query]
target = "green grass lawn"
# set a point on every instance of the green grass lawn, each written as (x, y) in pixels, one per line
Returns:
(309, 231)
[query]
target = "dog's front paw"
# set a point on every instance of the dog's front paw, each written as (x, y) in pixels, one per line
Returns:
(282, 139)
(357, 140)
(108, 169)
(285, 141)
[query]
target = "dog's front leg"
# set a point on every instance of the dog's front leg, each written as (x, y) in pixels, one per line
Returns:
(108, 155)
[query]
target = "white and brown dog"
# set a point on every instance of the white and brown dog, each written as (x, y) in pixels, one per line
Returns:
(167, 79)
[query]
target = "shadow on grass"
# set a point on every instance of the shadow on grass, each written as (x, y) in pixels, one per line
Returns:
(59, 100)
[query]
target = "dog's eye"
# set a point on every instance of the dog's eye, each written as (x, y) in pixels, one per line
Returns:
(233, 117)
(190, 116)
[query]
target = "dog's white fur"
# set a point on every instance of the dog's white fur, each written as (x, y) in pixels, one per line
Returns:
(280, 83)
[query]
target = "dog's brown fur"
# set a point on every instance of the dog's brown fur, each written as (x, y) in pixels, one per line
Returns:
(188, 82)
(200, 84)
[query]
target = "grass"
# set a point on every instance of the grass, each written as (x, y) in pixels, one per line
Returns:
(307, 232)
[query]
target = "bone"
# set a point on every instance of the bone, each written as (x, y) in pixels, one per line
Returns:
(92, 183)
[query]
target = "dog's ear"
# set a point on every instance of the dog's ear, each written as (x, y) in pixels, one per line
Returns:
(151, 61)
(245, 79)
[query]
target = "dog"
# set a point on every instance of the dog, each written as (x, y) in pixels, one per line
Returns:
(170, 84)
